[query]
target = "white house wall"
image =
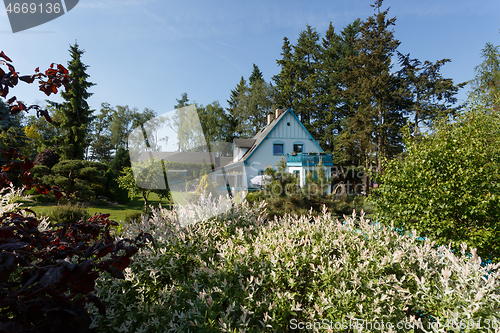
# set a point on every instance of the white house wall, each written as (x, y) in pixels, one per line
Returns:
(238, 153)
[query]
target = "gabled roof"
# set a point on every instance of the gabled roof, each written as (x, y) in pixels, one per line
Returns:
(264, 133)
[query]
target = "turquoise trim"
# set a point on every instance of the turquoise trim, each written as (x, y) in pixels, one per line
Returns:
(279, 143)
(309, 134)
(267, 136)
(303, 159)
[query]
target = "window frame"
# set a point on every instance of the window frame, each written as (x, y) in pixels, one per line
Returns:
(282, 148)
(301, 147)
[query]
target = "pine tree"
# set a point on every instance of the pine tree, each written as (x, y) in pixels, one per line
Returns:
(429, 95)
(75, 113)
(256, 104)
(256, 75)
(330, 89)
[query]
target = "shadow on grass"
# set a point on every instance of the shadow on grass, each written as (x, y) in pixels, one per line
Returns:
(117, 212)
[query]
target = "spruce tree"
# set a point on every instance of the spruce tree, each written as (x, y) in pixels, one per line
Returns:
(376, 89)
(232, 110)
(307, 59)
(256, 75)
(334, 107)
(329, 85)
(285, 80)
(75, 113)
(249, 105)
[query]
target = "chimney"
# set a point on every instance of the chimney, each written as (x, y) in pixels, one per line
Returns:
(269, 118)
(278, 112)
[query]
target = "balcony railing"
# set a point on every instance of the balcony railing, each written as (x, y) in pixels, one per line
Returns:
(304, 159)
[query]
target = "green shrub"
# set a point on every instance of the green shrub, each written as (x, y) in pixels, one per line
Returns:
(241, 273)
(45, 198)
(99, 203)
(31, 191)
(134, 216)
(301, 203)
(40, 170)
(114, 191)
(447, 185)
(79, 180)
(68, 214)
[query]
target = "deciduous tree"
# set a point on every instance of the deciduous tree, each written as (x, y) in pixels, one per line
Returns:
(487, 80)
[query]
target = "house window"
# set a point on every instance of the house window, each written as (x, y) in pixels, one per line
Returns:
(296, 173)
(278, 149)
(298, 148)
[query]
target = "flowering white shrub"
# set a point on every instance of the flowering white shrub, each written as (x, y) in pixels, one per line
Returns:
(10, 202)
(9, 197)
(240, 273)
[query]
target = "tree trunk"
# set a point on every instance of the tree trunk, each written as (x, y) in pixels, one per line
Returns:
(379, 144)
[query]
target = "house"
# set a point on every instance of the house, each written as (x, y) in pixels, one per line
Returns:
(179, 167)
(283, 137)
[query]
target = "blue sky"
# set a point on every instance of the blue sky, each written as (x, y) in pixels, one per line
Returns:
(146, 53)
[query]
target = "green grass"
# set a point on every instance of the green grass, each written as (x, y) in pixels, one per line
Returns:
(117, 213)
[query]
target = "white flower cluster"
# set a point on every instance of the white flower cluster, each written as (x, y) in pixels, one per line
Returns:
(10, 198)
(240, 272)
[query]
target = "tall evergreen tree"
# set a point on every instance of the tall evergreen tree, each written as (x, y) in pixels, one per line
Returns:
(256, 75)
(334, 107)
(375, 88)
(285, 80)
(249, 105)
(297, 81)
(330, 89)
(75, 114)
(254, 104)
(232, 110)
(307, 57)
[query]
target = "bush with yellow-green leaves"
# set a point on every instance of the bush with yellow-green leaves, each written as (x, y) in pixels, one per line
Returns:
(447, 184)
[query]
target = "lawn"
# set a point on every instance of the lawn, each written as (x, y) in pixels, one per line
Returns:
(117, 213)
